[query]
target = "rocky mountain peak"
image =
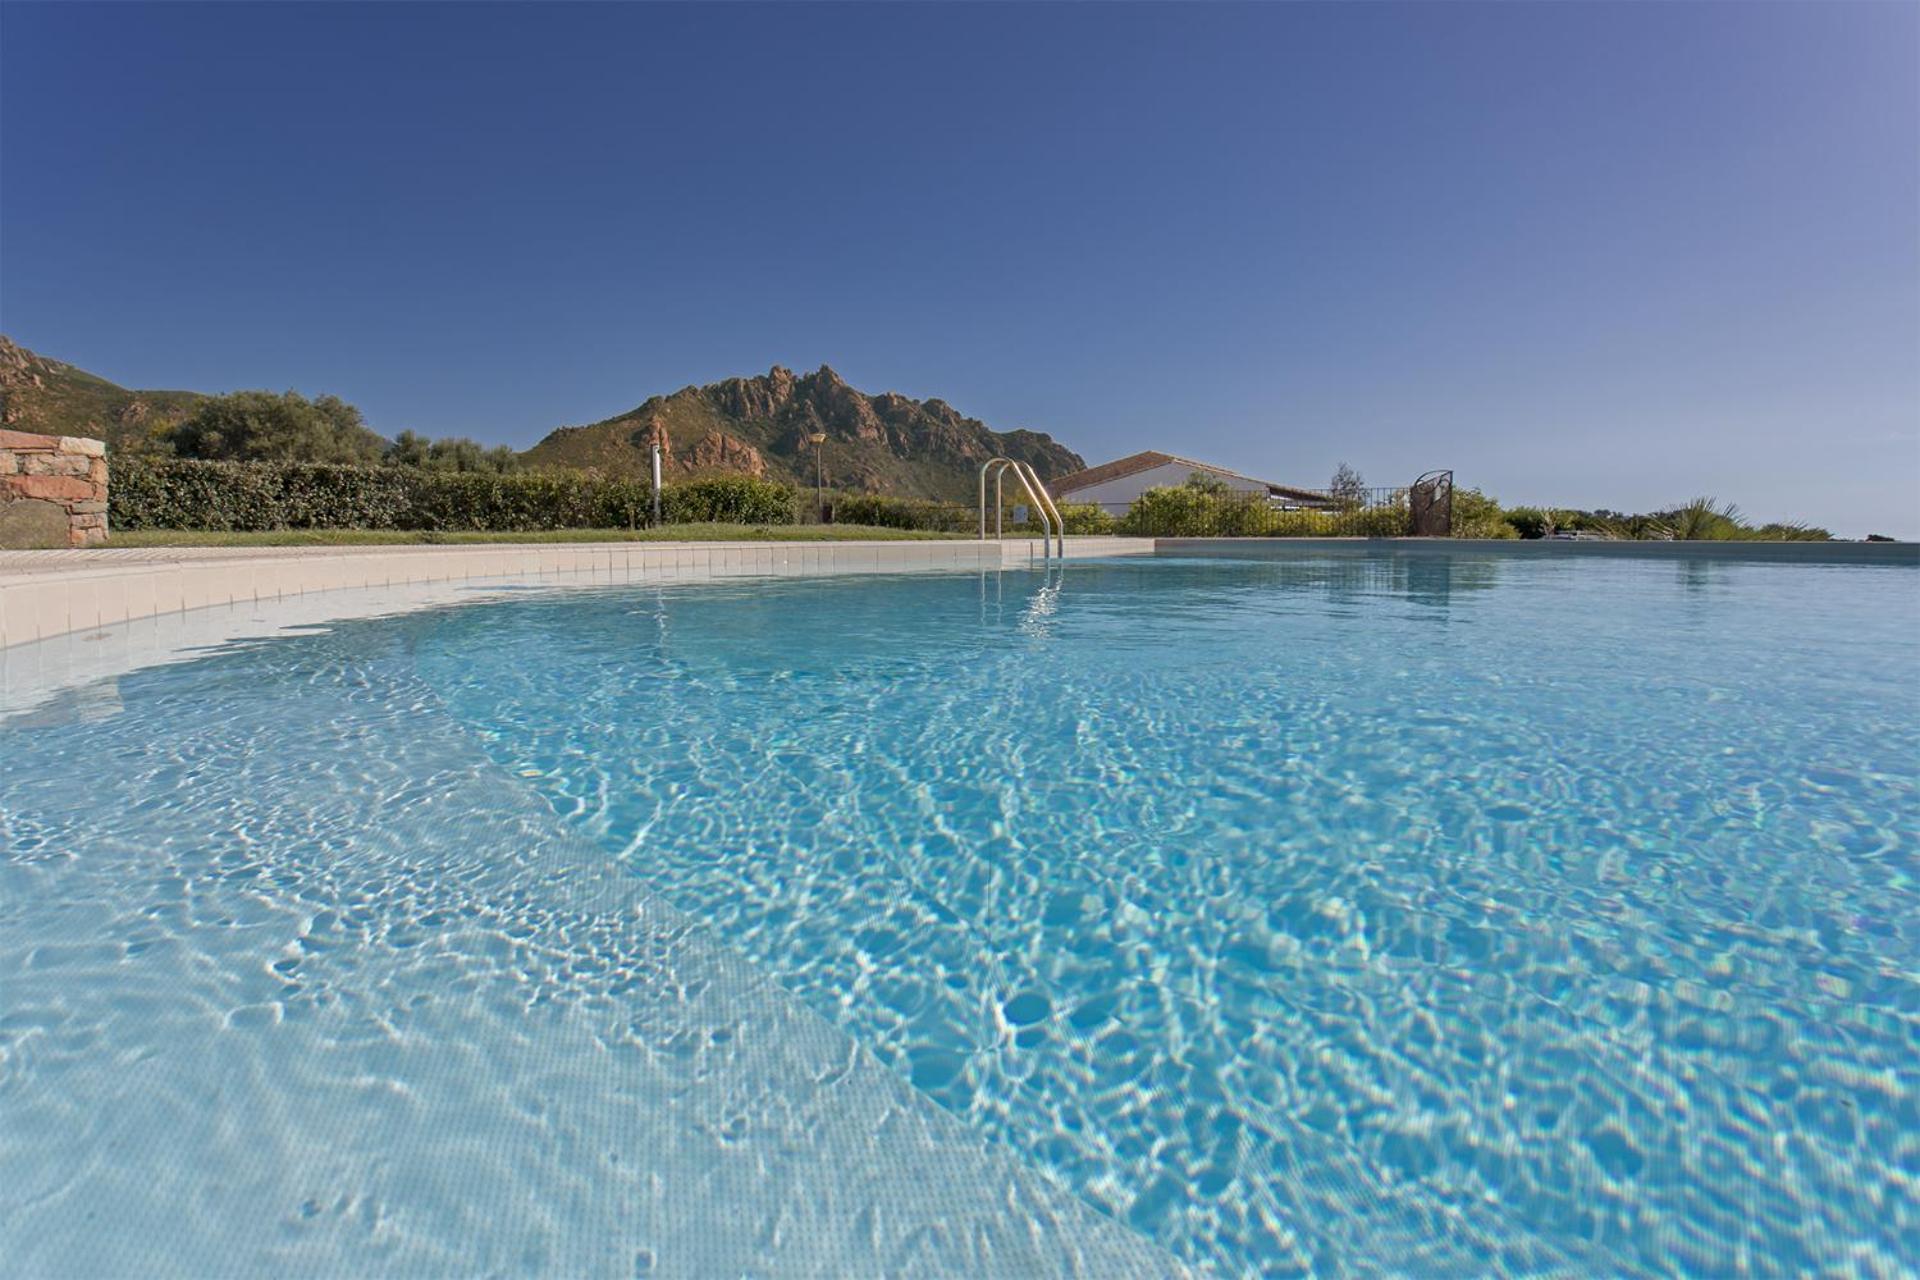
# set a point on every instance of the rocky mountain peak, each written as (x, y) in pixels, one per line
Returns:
(764, 425)
(761, 425)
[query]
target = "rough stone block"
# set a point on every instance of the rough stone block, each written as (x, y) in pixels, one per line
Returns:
(54, 464)
(53, 488)
(47, 477)
(27, 523)
(28, 441)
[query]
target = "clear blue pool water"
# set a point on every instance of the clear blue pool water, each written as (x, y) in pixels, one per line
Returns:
(1372, 915)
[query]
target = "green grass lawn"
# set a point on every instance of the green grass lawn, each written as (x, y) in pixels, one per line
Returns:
(408, 537)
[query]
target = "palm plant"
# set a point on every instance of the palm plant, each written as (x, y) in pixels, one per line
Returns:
(1704, 520)
(1792, 531)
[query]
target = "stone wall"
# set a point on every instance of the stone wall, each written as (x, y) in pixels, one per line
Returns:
(53, 490)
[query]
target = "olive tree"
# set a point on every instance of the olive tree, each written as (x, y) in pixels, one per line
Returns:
(259, 426)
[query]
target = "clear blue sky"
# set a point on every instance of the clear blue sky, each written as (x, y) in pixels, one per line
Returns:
(1592, 254)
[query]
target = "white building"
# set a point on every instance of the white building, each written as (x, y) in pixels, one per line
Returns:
(1114, 486)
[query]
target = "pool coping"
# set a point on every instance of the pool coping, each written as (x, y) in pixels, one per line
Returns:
(1827, 553)
(46, 594)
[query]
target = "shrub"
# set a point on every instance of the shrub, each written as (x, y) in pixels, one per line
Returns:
(1185, 511)
(262, 426)
(195, 494)
(451, 453)
(953, 517)
(1189, 511)
(905, 513)
(1475, 515)
(238, 496)
(1087, 518)
(1788, 531)
(483, 501)
(1303, 524)
(1530, 522)
(1377, 522)
(727, 500)
(1478, 516)
(1703, 520)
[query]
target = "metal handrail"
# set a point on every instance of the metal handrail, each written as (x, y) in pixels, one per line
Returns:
(1043, 502)
(1027, 481)
(998, 466)
(1053, 529)
(1059, 521)
(999, 497)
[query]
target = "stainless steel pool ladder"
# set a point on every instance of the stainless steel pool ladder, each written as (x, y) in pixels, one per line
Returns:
(1052, 527)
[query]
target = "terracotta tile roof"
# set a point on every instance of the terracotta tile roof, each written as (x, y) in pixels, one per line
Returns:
(1133, 464)
(1111, 471)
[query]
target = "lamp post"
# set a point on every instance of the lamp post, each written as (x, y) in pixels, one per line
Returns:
(656, 482)
(819, 439)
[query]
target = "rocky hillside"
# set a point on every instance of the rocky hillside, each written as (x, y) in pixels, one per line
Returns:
(755, 426)
(885, 443)
(55, 398)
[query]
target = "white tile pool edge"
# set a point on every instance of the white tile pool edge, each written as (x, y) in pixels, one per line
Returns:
(70, 617)
(48, 594)
(88, 617)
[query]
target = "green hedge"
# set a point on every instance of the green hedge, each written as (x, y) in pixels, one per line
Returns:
(728, 500)
(1087, 518)
(955, 517)
(905, 513)
(1183, 511)
(245, 496)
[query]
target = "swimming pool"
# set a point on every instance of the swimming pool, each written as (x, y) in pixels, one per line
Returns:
(1377, 914)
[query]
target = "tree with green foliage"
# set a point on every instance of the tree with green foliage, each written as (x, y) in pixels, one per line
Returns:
(259, 426)
(1529, 522)
(1475, 515)
(450, 453)
(457, 453)
(409, 449)
(1208, 483)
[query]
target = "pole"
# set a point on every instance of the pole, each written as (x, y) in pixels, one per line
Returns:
(819, 439)
(656, 484)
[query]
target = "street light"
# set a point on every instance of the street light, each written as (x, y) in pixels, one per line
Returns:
(819, 439)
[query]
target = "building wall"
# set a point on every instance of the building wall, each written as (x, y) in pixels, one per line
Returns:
(1116, 497)
(53, 490)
